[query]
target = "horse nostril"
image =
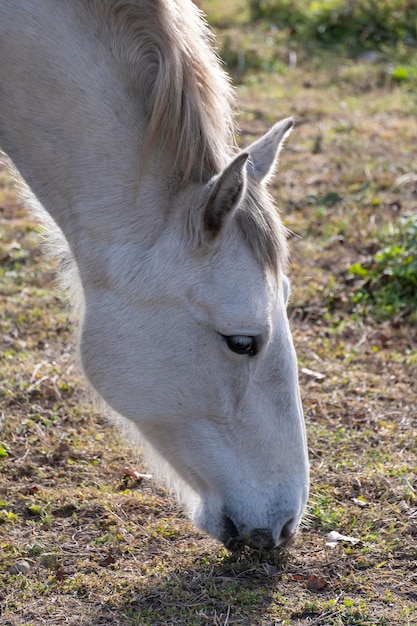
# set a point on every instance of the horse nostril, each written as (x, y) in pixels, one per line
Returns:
(287, 532)
(258, 538)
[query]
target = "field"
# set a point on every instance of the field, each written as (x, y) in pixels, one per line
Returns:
(86, 536)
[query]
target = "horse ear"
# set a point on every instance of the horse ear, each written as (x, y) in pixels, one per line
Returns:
(264, 152)
(225, 195)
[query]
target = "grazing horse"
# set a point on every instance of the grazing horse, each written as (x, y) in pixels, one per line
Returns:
(118, 116)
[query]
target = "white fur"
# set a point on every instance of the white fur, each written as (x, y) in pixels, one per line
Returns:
(159, 288)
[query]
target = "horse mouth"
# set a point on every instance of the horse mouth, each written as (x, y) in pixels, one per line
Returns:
(260, 539)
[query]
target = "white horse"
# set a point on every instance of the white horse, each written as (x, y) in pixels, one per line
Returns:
(117, 114)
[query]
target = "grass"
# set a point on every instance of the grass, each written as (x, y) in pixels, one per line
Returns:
(357, 26)
(387, 280)
(105, 547)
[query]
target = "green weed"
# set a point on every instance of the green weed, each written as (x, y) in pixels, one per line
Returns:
(359, 25)
(386, 284)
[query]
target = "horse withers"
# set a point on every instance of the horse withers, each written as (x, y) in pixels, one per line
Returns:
(117, 115)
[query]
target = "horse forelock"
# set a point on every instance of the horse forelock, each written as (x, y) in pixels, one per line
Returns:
(263, 229)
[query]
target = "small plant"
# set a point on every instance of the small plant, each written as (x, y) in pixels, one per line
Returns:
(363, 24)
(387, 282)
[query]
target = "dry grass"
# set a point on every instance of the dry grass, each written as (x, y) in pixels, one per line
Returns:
(105, 547)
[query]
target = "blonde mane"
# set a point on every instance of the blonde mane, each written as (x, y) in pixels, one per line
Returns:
(165, 52)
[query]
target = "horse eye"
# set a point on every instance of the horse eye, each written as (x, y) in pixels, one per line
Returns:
(242, 344)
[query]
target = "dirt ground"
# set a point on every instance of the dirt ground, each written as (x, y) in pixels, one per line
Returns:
(86, 539)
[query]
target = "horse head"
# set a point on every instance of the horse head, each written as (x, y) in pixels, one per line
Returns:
(191, 342)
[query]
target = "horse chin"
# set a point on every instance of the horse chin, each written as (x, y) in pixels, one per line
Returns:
(210, 521)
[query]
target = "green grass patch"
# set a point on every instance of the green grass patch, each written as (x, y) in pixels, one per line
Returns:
(386, 284)
(357, 25)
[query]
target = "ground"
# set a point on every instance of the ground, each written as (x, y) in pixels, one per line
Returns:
(105, 544)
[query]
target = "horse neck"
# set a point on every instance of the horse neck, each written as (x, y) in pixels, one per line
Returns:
(70, 128)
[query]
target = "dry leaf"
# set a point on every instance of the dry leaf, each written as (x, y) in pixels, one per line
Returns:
(132, 473)
(312, 581)
(60, 574)
(108, 560)
(316, 583)
(312, 373)
(333, 537)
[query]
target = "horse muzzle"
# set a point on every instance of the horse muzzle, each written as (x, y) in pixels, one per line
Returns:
(257, 538)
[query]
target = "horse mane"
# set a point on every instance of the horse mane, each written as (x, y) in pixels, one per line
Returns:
(166, 54)
(263, 229)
